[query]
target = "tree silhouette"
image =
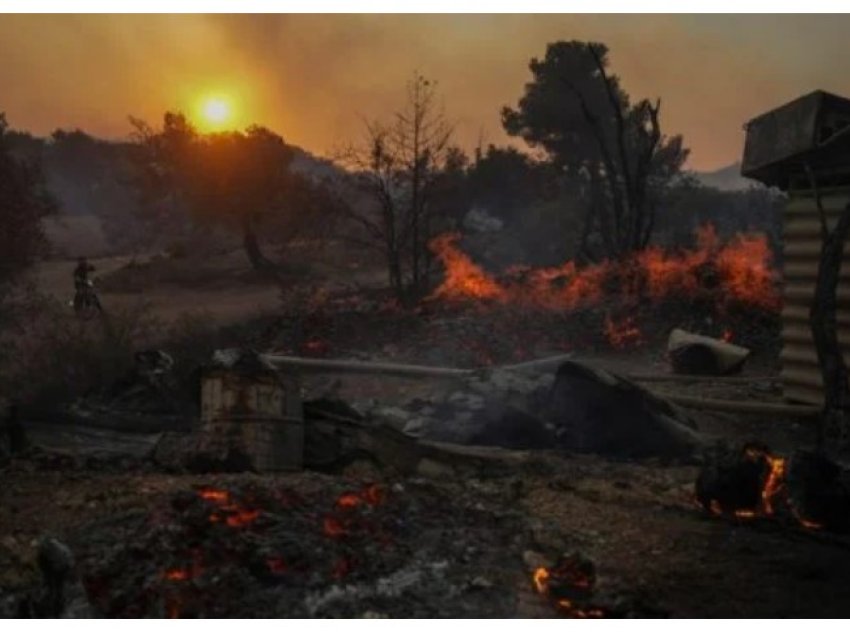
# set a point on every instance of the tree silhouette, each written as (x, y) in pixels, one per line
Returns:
(585, 121)
(397, 168)
(24, 202)
(240, 180)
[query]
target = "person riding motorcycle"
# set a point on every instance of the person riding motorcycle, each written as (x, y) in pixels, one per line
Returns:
(84, 297)
(81, 274)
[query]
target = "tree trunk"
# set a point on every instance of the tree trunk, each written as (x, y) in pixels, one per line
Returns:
(259, 261)
(824, 327)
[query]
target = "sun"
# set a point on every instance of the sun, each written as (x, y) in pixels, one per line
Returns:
(216, 112)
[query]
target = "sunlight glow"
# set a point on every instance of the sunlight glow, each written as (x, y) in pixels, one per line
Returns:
(215, 112)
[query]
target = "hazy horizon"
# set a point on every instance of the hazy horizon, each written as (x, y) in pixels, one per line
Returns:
(312, 77)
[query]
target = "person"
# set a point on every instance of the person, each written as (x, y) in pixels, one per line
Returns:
(81, 274)
(85, 299)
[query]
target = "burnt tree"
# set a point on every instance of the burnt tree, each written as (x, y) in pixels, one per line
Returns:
(397, 169)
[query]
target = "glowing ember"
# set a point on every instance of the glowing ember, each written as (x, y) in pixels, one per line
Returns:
(316, 346)
(276, 565)
(333, 527)
(213, 494)
(372, 495)
(568, 585)
(622, 334)
(242, 518)
(772, 490)
(176, 574)
(541, 576)
(774, 482)
(348, 500)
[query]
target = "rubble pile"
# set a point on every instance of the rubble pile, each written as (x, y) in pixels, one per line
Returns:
(577, 409)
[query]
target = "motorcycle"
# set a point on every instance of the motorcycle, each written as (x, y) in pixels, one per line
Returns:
(86, 303)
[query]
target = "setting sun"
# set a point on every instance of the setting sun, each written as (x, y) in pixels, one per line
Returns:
(216, 112)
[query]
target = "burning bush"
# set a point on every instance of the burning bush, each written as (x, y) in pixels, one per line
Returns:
(752, 482)
(737, 272)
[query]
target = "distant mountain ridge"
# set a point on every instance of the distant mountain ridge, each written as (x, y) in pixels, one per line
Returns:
(727, 179)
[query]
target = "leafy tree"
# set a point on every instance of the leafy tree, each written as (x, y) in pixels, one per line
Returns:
(24, 202)
(239, 180)
(584, 120)
(503, 180)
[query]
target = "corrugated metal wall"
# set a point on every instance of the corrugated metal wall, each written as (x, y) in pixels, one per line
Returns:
(801, 231)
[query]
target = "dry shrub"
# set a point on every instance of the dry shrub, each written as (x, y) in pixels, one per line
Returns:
(52, 356)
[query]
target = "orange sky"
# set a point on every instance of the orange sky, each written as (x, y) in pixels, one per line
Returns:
(312, 77)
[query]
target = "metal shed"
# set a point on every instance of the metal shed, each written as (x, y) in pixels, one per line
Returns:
(808, 136)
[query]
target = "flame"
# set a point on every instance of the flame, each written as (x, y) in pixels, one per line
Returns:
(464, 279)
(348, 500)
(622, 334)
(771, 491)
(242, 517)
(577, 579)
(741, 266)
(372, 495)
(177, 574)
(541, 580)
(774, 482)
(727, 336)
(214, 494)
(810, 525)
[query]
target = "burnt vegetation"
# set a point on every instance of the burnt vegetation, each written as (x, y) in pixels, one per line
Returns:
(485, 411)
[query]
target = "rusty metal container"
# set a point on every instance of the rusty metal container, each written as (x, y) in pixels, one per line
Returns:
(249, 406)
(811, 130)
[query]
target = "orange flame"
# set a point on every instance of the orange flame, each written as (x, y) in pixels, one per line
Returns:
(541, 580)
(177, 574)
(348, 500)
(742, 268)
(622, 334)
(774, 485)
(276, 565)
(464, 279)
(214, 494)
(333, 527)
(242, 517)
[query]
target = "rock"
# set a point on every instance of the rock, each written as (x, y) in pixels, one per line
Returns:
(479, 221)
(692, 353)
(63, 595)
(481, 583)
(594, 411)
(434, 470)
(511, 427)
